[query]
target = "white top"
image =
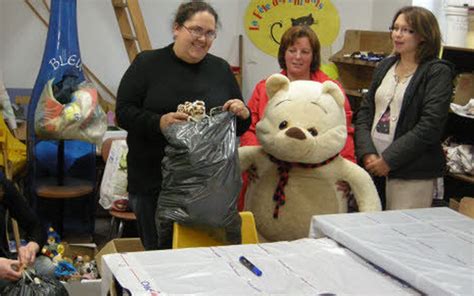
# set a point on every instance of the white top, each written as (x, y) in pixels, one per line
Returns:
(388, 95)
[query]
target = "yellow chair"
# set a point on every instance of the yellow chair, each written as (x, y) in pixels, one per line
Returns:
(189, 237)
(13, 161)
(13, 156)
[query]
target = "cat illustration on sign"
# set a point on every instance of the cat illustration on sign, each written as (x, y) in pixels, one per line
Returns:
(301, 21)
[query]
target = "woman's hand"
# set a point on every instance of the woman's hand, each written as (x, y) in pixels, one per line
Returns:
(27, 254)
(237, 107)
(252, 173)
(378, 167)
(344, 187)
(369, 158)
(9, 269)
(172, 117)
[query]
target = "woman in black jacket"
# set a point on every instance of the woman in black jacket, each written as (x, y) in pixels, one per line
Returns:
(149, 93)
(400, 123)
(11, 200)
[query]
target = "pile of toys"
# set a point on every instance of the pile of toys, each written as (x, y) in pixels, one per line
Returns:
(66, 268)
(366, 56)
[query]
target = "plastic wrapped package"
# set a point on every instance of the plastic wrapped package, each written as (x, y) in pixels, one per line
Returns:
(113, 189)
(201, 174)
(80, 118)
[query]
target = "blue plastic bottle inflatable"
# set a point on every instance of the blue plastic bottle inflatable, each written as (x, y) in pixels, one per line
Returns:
(52, 159)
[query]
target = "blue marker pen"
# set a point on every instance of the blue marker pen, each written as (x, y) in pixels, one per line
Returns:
(250, 266)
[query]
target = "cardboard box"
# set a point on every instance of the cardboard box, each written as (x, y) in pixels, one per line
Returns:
(465, 206)
(119, 245)
(82, 287)
(93, 287)
(72, 250)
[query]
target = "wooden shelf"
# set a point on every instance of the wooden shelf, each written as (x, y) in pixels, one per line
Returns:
(462, 177)
(353, 61)
(458, 49)
(353, 92)
(460, 128)
(356, 74)
(462, 58)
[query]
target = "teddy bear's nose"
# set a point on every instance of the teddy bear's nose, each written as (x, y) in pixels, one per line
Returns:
(296, 133)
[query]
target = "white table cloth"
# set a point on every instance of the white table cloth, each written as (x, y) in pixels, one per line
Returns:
(432, 249)
(302, 267)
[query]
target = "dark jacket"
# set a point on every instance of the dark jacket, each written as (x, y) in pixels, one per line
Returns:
(19, 209)
(415, 152)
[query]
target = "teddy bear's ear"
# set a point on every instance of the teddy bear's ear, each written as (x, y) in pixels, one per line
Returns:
(335, 91)
(275, 83)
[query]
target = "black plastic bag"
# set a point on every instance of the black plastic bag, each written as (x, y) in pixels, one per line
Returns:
(33, 285)
(201, 173)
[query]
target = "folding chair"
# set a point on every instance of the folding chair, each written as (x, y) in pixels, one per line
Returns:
(118, 217)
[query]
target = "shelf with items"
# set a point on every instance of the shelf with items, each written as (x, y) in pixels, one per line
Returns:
(462, 58)
(356, 74)
(460, 129)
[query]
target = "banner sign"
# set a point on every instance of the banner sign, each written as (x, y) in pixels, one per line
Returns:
(266, 21)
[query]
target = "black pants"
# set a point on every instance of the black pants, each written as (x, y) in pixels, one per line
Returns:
(144, 207)
(380, 185)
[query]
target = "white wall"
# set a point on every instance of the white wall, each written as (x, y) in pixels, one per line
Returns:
(22, 44)
(22, 36)
(2, 12)
(435, 6)
(385, 10)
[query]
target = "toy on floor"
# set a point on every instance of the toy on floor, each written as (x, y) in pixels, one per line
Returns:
(79, 267)
(53, 246)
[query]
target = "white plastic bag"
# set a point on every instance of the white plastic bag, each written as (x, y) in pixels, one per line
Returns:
(81, 118)
(113, 190)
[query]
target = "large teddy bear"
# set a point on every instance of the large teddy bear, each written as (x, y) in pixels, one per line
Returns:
(302, 132)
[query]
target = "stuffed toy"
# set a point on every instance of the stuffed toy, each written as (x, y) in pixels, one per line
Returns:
(196, 110)
(298, 163)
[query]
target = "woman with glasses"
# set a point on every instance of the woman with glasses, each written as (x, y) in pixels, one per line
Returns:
(299, 56)
(148, 96)
(401, 120)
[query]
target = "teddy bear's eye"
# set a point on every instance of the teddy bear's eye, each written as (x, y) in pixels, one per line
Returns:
(283, 124)
(313, 131)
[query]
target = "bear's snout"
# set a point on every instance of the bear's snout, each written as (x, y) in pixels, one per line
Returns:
(295, 133)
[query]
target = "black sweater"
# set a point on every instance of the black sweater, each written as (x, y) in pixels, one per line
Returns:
(19, 209)
(155, 84)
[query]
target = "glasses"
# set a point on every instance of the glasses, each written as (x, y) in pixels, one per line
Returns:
(402, 31)
(198, 32)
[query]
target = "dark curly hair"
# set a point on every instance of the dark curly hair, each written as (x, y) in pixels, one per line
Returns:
(187, 9)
